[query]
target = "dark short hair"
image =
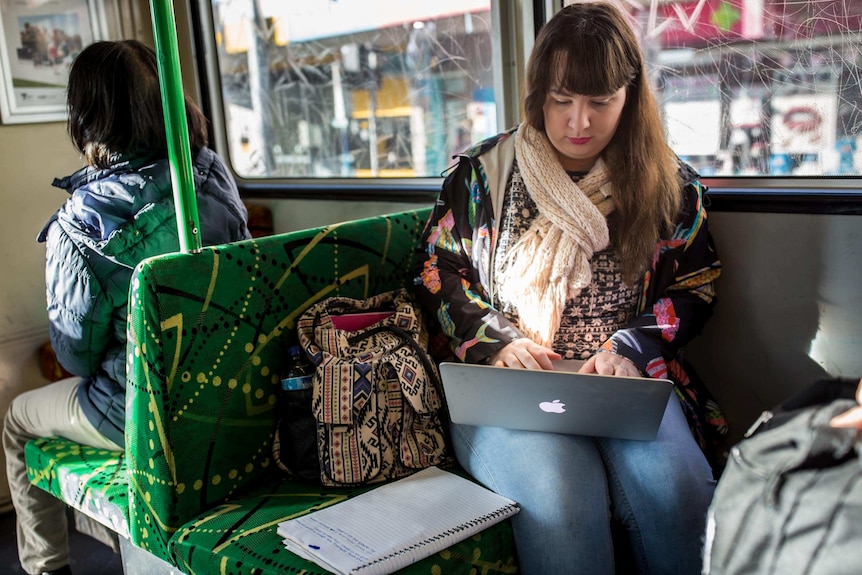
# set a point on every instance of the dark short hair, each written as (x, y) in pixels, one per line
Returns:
(115, 105)
(587, 48)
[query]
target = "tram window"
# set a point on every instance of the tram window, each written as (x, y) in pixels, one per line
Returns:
(353, 89)
(759, 87)
(762, 92)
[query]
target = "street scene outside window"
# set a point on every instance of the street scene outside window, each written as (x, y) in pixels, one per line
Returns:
(386, 88)
(760, 87)
(370, 88)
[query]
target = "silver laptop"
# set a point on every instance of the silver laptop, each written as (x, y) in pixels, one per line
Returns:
(557, 401)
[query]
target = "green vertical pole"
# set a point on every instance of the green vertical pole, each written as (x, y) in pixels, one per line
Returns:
(176, 124)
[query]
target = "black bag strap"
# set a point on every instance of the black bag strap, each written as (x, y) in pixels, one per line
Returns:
(820, 392)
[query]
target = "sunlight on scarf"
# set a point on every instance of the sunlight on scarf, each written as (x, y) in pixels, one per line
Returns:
(550, 262)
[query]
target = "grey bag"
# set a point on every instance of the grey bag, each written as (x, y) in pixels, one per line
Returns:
(789, 501)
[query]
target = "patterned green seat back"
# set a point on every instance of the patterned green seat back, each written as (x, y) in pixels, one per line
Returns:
(207, 333)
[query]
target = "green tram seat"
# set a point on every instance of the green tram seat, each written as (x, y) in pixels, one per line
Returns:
(196, 486)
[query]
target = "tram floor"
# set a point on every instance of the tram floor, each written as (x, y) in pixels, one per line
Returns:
(88, 555)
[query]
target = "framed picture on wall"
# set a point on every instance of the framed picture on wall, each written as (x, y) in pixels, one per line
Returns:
(38, 41)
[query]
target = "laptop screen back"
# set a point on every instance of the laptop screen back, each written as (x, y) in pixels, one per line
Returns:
(555, 401)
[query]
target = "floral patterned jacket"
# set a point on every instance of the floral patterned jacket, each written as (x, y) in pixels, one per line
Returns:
(455, 284)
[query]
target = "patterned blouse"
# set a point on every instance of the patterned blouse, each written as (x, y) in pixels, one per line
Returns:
(674, 299)
(602, 308)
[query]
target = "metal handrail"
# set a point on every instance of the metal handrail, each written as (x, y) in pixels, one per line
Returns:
(176, 125)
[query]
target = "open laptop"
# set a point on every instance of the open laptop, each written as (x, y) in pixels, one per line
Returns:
(557, 401)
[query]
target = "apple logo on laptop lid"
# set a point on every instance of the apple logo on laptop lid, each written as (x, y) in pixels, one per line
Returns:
(555, 406)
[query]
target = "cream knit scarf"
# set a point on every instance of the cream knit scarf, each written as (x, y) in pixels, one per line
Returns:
(550, 262)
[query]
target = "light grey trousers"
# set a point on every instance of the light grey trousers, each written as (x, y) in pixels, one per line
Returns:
(43, 543)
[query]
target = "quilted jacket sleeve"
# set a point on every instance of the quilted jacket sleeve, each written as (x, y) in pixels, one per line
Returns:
(79, 309)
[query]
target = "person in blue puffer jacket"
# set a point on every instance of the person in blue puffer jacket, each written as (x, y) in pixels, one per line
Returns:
(120, 211)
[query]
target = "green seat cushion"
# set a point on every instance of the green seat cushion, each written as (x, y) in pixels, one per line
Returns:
(91, 480)
(242, 536)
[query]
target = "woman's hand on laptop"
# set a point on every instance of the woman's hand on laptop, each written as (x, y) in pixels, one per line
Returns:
(609, 363)
(525, 353)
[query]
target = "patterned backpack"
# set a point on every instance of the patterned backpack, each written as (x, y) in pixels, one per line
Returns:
(377, 398)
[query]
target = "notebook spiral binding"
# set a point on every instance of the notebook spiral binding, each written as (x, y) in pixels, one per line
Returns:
(466, 526)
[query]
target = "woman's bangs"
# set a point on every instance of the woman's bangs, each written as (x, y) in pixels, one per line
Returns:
(582, 70)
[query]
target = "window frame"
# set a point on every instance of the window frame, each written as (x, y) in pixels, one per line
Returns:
(803, 194)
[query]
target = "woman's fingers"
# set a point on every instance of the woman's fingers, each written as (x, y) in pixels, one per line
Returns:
(605, 363)
(525, 353)
(851, 418)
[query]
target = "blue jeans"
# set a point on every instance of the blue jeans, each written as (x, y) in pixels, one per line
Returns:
(571, 487)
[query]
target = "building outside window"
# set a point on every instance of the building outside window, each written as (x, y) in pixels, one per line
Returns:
(353, 88)
(386, 88)
(759, 87)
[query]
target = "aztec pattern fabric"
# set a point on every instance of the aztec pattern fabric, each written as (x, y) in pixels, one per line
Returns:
(242, 535)
(377, 396)
(92, 480)
(207, 336)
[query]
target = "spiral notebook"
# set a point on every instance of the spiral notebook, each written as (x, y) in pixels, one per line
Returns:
(396, 524)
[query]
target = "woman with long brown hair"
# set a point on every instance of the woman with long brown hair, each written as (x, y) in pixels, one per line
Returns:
(580, 235)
